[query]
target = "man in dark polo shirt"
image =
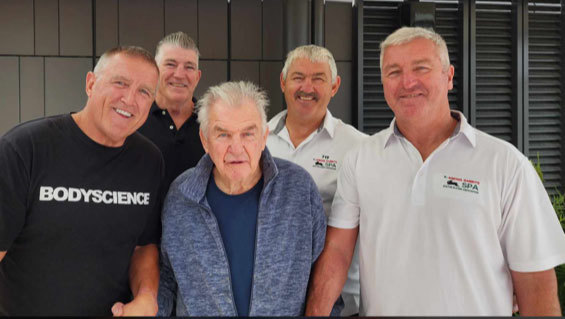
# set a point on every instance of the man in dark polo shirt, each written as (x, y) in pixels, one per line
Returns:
(171, 123)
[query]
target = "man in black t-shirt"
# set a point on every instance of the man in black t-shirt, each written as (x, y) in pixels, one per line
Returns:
(172, 124)
(79, 201)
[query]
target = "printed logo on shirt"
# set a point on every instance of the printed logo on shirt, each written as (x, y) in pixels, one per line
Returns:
(97, 196)
(461, 184)
(325, 162)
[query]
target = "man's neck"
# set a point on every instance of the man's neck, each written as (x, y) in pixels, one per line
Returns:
(299, 129)
(179, 111)
(426, 136)
(236, 187)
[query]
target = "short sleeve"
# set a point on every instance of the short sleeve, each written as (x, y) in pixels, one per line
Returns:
(318, 222)
(14, 185)
(152, 231)
(345, 206)
(530, 235)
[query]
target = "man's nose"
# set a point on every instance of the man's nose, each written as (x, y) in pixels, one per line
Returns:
(307, 85)
(408, 80)
(236, 145)
(129, 96)
(179, 71)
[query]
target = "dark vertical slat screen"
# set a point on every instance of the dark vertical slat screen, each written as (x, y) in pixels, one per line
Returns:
(494, 68)
(380, 18)
(545, 96)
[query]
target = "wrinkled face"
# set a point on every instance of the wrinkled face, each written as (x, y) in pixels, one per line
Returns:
(308, 89)
(119, 98)
(179, 73)
(414, 82)
(235, 140)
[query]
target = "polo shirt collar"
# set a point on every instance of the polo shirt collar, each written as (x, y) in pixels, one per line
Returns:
(156, 109)
(462, 128)
(329, 124)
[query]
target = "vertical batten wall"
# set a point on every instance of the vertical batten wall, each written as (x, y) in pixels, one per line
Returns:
(48, 46)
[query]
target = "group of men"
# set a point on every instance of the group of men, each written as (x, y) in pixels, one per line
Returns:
(299, 215)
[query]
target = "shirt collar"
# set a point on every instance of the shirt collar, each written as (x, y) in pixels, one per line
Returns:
(329, 124)
(462, 128)
(156, 109)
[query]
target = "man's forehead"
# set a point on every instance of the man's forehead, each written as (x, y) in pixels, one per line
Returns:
(171, 51)
(305, 65)
(417, 55)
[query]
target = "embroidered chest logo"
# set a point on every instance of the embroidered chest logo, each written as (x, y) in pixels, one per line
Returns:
(325, 162)
(461, 184)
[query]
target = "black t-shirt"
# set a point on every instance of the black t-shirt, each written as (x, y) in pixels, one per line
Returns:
(71, 213)
(181, 148)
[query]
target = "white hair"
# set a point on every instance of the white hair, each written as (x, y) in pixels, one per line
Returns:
(314, 53)
(234, 94)
(407, 34)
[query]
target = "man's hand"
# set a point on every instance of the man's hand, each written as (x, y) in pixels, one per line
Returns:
(2, 254)
(144, 282)
(330, 271)
(144, 304)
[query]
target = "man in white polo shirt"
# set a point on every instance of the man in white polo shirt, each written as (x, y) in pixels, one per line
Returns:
(308, 135)
(451, 220)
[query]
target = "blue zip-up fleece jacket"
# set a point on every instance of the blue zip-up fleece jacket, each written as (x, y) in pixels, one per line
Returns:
(291, 228)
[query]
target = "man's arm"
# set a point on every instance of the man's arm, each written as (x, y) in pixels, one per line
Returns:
(536, 293)
(144, 282)
(2, 254)
(330, 271)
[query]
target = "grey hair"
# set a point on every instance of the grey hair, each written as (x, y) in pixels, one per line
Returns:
(314, 53)
(131, 51)
(177, 39)
(407, 34)
(234, 94)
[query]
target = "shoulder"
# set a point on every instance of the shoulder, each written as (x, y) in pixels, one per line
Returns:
(291, 173)
(38, 130)
(488, 145)
(142, 143)
(348, 131)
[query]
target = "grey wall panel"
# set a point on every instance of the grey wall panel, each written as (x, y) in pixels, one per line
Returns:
(32, 86)
(141, 23)
(339, 30)
(213, 29)
(246, 29)
(272, 30)
(340, 105)
(182, 15)
(16, 27)
(75, 19)
(213, 73)
(106, 25)
(245, 71)
(270, 75)
(65, 80)
(46, 27)
(9, 93)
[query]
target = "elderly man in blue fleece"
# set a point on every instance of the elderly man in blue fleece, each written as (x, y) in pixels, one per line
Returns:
(242, 229)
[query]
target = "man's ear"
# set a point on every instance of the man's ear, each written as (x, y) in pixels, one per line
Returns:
(335, 86)
(90, 79)
(282, 82)
(203, 140)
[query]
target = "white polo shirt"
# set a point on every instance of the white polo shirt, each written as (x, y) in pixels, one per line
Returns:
(321, 154)
(439, 237)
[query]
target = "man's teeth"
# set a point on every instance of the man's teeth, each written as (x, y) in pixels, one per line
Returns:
(124, 113)
(179, 85)
(306, 98)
